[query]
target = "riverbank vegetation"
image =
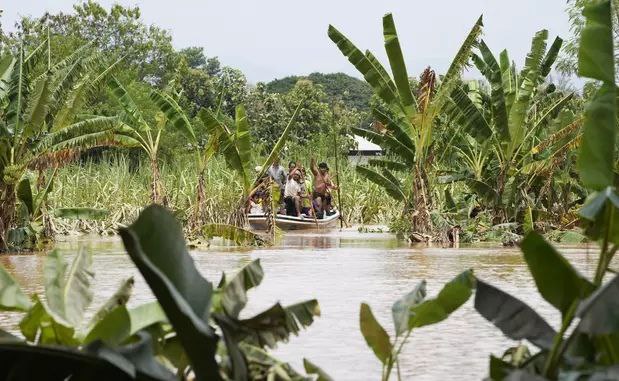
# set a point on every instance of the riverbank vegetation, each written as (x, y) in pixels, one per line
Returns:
(514, 152)
(101, 113)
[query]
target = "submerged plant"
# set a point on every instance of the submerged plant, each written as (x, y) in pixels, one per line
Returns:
(409, 313)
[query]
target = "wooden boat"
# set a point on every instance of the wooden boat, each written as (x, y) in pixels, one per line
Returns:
(258, 222)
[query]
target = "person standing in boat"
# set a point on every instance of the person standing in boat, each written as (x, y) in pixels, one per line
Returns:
(278, 174)
(322, 188)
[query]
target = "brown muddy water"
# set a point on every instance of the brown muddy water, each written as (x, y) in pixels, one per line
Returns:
(341, 270)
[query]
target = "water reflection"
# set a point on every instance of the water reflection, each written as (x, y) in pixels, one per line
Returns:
(341, 270)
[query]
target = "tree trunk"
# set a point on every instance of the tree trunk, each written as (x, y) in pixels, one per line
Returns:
(156, 193)
(422, 203)
(199, 214)
(7, 213)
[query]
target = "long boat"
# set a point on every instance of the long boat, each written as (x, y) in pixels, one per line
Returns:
(259, 222)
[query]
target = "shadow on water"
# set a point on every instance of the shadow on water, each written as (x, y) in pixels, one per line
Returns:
(342, 269)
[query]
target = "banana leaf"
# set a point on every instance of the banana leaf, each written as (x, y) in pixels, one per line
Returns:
(383, 86)
(175, 114)
(398, 67)
(156, 245)
(390, 187)
(12, 298)
(596, 60)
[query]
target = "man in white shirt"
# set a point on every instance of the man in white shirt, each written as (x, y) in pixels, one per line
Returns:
(277, 173)
(292, 196)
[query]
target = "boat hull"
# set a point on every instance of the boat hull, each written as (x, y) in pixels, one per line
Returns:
(258, 222)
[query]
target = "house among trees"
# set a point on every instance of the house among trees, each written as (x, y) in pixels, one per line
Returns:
(365, 150)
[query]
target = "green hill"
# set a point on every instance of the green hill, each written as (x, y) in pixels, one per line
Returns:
(353, 91)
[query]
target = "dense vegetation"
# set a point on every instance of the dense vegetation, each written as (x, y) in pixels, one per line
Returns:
(514, 151)
(473, 155)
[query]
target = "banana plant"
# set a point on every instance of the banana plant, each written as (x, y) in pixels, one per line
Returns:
(55, 330)
(194, 306)
(409, 313)
(40, 124)
(586, 344)
(135, 131)
(512, 136)
(179, 120)
(407, 117)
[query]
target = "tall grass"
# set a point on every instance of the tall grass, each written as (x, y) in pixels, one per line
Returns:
(122, 188)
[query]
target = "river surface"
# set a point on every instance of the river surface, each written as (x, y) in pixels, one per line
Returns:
(342, 270)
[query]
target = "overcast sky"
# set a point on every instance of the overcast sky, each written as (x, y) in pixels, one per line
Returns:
(269, 39)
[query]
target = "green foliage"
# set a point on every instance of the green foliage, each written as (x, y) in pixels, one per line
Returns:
(191, 304)
(410, 312)
(354, 92)
(585, 345)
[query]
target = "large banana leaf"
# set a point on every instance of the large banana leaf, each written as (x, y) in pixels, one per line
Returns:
(277, 323)
(12, 298)
(398, 67)
(531, 79)
(392, 189)
(596, 59)
(551, 57)
(24, 194)
(122, 323)
(84, 134)
(37, 107)
(387, 142)
(512, 316)
(397, 124)
(130, 108)
(492, 71)
(470, 115)
(383, 86)
(155, 244)
(461, 59)
(389, 164)
(227, 145)
(174, 113)
(69, 296)
(233, 290)
(7, 62)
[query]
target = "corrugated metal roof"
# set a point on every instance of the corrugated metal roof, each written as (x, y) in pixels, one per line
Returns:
(365, 145)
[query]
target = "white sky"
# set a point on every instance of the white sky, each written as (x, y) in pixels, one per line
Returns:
(269, 39)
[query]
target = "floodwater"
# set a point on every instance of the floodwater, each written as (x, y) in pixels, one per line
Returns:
(342, 270)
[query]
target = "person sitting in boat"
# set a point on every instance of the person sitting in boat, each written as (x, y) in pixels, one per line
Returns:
(293, 196)
(306, 200)
(322, 188)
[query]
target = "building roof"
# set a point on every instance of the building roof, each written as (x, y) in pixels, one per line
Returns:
(366, 145)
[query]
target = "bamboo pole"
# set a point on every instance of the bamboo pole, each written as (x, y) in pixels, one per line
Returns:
(335, 149)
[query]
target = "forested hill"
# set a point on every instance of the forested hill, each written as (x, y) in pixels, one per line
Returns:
(353, 91)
